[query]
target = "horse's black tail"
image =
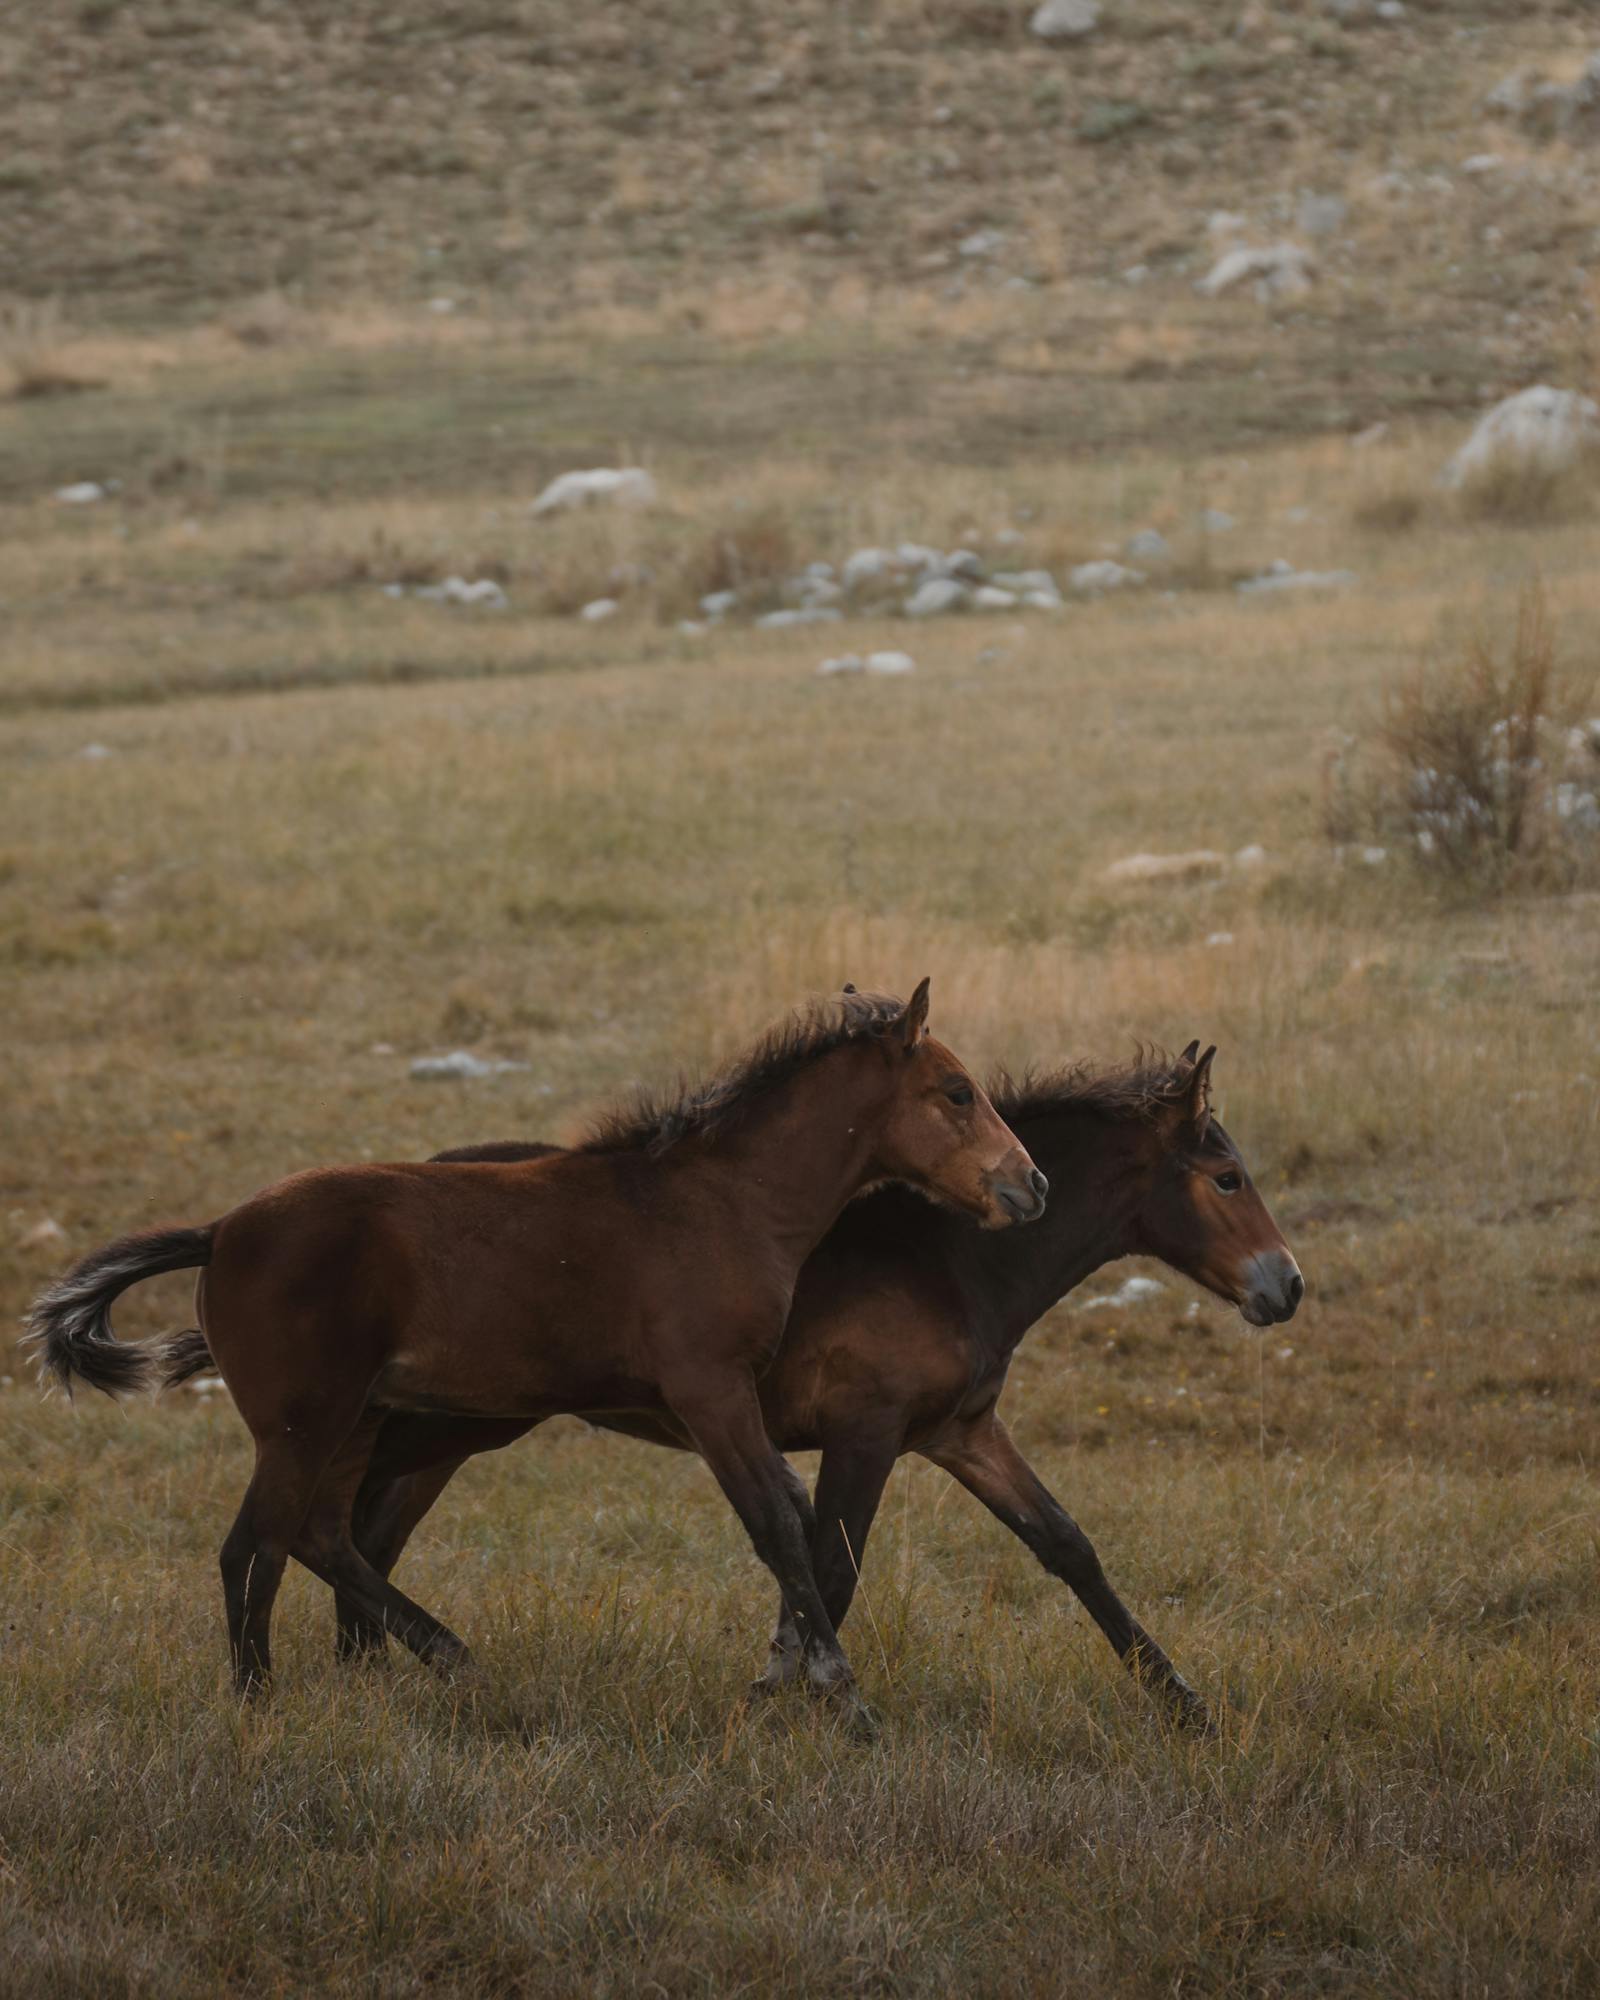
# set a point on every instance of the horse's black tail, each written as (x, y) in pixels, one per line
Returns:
(69, 1327)
(181, 1355)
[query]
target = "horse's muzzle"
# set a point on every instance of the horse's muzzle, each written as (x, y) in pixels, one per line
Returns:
(1021, 1200)
(1271, 1288)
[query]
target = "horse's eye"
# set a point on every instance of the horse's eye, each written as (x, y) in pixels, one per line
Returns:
(959, 1093)
(1229, 1183)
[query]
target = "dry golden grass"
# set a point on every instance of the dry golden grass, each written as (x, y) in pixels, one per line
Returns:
(609, 852)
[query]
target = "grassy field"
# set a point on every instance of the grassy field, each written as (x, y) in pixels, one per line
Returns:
(267, 834)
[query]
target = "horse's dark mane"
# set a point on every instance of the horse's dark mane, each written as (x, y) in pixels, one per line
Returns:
(1136, 1089)
(650, 1123)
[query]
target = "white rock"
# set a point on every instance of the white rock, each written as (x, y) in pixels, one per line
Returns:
(1167, 867)
(456, 590)
(935, 597)
(598, 609)
(1284, 576)
(459, 1063)
(845, 663)
(1482, 163)
(867, 566)
(1024, 580)
(1225, 222)
(822, 572)
(1131, 1292)
(806, 614)
(1215, 521)
(95, 753)
(693, 628)
(442, 304)
(1043, 600)
(890, 663)
(1149, 545)
(1065, 20)
(1373, 434)
(80, 495)
(1219, 938)
(620, 486)
(718, 603)
(1280, 271)
(966, 564)
(1540, 429)
(1253, 856)
(983, 243)
(818, 590)
(1094, 579)
(45, 1235)
(918, 556)
(1321, 214)
(1136, 274)
(989, 597)
(1373, 857)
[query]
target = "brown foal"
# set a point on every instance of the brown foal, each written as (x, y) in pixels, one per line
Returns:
(647, 1274)
(902, 1332)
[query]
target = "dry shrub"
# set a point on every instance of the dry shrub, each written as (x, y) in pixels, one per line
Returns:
(752, 554)
(1388, 511)
(1474, 763)
(31, 341)
(1522, 493)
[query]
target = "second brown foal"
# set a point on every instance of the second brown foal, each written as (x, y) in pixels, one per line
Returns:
(650, 1271)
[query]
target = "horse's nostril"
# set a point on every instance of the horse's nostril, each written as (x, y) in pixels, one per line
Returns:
(1297, 1290)
(1039, 1184)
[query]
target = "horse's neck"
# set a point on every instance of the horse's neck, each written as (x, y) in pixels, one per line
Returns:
(1098, 1168)
(799, 1152)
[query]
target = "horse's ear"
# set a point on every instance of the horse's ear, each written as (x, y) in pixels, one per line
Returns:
(1189, 1054)
(913, 1023)
(1197, 1093)
(850, 987)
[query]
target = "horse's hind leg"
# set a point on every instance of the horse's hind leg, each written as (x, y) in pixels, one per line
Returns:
(784, 1652)
(327, 1547)
(385, 1514)
(276, 1502)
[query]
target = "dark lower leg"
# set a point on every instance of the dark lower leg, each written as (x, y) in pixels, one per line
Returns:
(989, 1465)
(850, 1485)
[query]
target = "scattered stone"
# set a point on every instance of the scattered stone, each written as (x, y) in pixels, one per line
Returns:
(1284, 576)
(1373, 434)
(1149, 545)
(1065, 20)
(867, 566)
(456, 590)
(599, 609)
(890, 663)
(918, 556)
(817, 589)
(621, 486)
(1280, 271)
(693, 628)
(1215, 521)
(1373, 857)
(95, 753)
(1321, 214)
(82, 494)
(718, 603)
(966, 564)
(1026, 580)
(1131, 1292)
(1095, 579)
(1253, 856)
(442, 304)
(1225, 222)
(805, 614)
(845, 663)
(1539, 429)
(1168, 867)
(1136, 274)
(459, 1063)
(990, 597)
(1482, 163)
(983, 243)
(935, 597)
(1043, 600)
(45, 1235)
(1219, 938)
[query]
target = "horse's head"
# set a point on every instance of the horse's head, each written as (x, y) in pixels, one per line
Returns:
(941, 1134)
(1202, 1213)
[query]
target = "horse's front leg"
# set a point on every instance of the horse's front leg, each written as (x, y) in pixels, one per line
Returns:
(724, 1418)
(850, 1485)
(983, 1458)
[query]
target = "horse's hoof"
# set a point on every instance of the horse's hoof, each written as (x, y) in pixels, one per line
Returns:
(844, 1697)
(1188, 1711)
